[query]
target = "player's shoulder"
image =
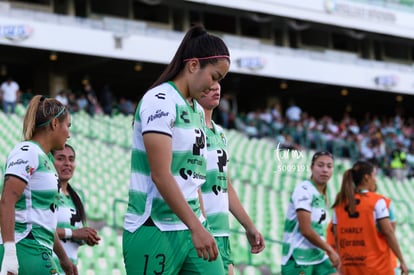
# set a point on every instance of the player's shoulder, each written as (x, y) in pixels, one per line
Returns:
(378, 196)
(23, 153)
(161, 93)
(25, 147)
(304, 186)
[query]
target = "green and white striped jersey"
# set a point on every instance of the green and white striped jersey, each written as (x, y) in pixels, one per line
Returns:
(164, 110)
(36, 208)
(305, 197)
(215, 194)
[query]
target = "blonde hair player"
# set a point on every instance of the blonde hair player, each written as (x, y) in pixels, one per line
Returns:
(31, 188)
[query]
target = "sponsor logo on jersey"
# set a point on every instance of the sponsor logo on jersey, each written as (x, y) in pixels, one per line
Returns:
(160, 95)
(184, 117)
(158, 114)
(186, 174)
(200, 142)
(218, 189)
(195, 161)
(351, 230)
(17, 162)
(343, 243)
(353, 259)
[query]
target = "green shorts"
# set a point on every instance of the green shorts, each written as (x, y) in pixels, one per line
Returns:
(323, 268)
(223, 244)
(151, 251)
(34, 259)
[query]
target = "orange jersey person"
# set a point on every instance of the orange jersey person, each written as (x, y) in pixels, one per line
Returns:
(361, 223)
(361, 247)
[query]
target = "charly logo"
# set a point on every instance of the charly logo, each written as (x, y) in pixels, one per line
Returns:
(290, 160)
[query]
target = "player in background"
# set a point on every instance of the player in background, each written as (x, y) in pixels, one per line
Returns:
(362, 227)
(330, 237)
(71, 214)
(219, 196)
(305, 250)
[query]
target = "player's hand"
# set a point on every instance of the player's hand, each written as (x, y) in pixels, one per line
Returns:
(10, 265)
(87, 234)
(205, 244)
(334, 258)
(404, 269)
(256, 240)
(69, 267)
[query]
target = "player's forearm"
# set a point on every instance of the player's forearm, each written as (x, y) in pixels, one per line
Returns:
(58, 249)
(237, 209)
(393, 244)
(7, 221)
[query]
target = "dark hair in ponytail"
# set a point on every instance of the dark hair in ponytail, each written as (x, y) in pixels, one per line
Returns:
(197, 43)
(351, 180)
(78, 203)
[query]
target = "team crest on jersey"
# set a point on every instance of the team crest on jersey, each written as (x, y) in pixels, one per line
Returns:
(202, 119)
(223, 138)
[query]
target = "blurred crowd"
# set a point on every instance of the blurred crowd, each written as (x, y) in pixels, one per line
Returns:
(86, 99)
(386, 141)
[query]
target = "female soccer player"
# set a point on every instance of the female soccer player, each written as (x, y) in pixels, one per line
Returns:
(164, 230)
(305, 250)
(219, 196)
(31, 187)
(362, 226)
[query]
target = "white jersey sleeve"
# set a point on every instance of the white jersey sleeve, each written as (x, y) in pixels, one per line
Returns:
(302, 197)
(381, 210)
(157, 113)
(22, 162)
